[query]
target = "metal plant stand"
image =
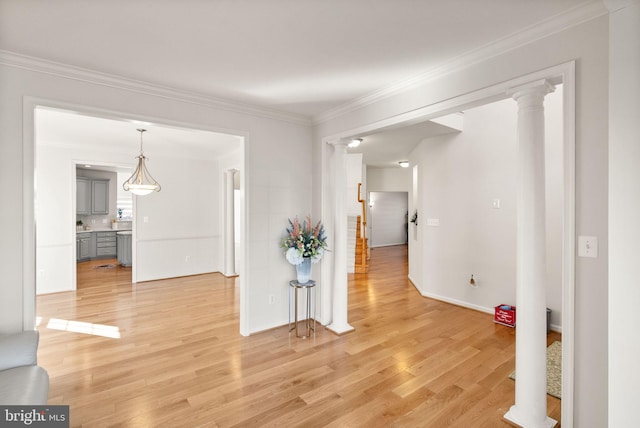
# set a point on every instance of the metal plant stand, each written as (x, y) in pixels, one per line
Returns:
(309, 288)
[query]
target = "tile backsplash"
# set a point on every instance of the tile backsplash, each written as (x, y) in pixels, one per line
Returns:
(102, 222)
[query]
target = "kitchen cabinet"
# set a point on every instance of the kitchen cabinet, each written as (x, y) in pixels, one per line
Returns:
(99, 196)
(124, 248)
(92, 196)
(94, 244)
(105, 244)
(83, 243)
(83, 196)
(85, 246)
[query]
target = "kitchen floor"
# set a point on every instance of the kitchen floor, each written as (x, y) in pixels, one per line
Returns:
(95, 272)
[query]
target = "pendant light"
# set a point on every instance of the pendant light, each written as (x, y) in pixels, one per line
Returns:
(141, 182)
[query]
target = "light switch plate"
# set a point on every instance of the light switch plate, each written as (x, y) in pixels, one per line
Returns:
(495, 204)
(433, 222)
(588, 246)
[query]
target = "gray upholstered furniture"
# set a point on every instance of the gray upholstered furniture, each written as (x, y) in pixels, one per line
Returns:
(22, 381)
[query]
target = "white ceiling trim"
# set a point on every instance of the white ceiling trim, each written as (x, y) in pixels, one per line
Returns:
(541, 30)
(96, 77)
(616, 5)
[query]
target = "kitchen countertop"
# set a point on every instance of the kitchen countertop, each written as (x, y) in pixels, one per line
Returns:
(103, 230)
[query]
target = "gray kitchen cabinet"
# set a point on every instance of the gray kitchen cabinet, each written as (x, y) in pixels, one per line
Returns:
(83, 248)
(83, 196)
(96, 245)
(105, 244)
(99, 196)
(92, 246)
(124, 248)
(86, 247)
(92, 196)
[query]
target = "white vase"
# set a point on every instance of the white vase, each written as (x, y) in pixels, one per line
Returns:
(303, 271)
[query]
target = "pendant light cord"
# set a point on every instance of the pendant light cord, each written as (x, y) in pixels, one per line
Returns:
(140, 130)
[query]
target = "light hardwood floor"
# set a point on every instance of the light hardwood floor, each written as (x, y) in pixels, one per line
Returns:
(179, 360)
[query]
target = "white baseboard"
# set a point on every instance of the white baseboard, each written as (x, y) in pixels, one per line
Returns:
(458, 302)
(464, 304)
(388, 245)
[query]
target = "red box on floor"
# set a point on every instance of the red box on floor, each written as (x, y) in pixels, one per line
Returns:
(505, 314)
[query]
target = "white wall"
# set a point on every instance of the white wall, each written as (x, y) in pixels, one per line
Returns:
(624, 213)
(55, 219)
(462, 175)
(181, 222)
(178, 229)
(554, 200)
(277, 173)
(55, 215)
(388, 219)
(587, 44)
(388, 179)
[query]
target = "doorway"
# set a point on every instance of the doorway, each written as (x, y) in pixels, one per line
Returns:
(563, 74)
(175, 232)
(103, 238)
(389, 218)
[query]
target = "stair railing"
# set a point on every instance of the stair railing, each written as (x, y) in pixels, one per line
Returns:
(364, 223)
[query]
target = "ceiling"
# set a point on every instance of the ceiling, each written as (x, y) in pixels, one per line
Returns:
(387, 148)
(67, 128)
(301, 57)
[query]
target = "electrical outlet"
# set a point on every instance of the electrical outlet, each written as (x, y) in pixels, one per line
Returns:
(104, 221)
(187, 259)
(272, 299)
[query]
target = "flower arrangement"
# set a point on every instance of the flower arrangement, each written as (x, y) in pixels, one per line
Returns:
(304, 240)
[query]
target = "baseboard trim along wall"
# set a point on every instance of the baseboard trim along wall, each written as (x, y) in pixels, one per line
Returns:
(464, 304)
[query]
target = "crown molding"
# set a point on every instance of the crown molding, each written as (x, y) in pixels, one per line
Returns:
(538, 31)
(616, 5)
(67, 71)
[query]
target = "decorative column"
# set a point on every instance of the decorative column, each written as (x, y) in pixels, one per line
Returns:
(340, 293)
(530, 409)
(229, 225)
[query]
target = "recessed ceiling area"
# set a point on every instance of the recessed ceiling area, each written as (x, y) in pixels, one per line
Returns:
(384, 149)
(66, 128)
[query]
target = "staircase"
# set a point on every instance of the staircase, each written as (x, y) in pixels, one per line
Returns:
(361, 264)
